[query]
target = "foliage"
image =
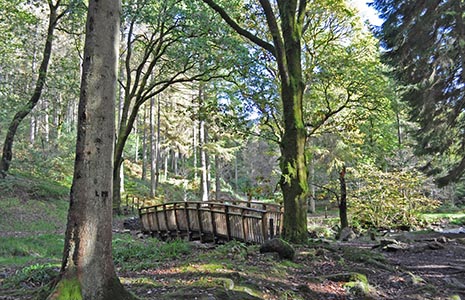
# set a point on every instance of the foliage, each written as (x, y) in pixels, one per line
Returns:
(234, 249)
(424, 44)
(35, 275)
(389, 200)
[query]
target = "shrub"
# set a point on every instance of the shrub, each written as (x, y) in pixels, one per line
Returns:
(390, 200)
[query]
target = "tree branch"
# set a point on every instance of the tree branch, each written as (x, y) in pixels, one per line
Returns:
(234, 25)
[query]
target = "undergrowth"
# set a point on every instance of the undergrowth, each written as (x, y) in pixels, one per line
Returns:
(133, 254)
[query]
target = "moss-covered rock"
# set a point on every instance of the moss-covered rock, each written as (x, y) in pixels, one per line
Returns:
(280, 246)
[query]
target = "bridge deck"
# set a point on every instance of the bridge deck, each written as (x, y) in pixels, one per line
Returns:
(248, 221)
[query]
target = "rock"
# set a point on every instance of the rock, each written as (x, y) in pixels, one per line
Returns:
(442, 240)
(347, 234)
(391, 245)
(283, 248)
(435, 245)
(132, 224)
(141, 235)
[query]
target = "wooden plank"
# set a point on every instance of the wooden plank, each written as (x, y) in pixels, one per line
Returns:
(176, 221)
(213, 222)
(157, 220)
(199, 218)
(264, 231)
(244, 225)
(188, 224)
(228, 222)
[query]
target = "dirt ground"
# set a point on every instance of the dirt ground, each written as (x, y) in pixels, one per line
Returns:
(418, 266)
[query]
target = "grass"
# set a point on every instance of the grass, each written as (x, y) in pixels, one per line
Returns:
(454, 217)
(23, 250)
(32, 216)
(137, 254)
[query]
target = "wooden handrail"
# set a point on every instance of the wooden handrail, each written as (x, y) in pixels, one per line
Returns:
(212, 220)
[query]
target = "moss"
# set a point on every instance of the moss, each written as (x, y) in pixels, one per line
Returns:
(67, 289)
(358, 285)
(70, 289)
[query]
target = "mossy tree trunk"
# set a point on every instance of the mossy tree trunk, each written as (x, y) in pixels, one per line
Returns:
(87, 269)
(293, 165)
(286, 48)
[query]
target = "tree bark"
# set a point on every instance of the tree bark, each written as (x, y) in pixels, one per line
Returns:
(144, 148)
(293, 165)
(157, 146)
(204, 191)
(87, 266)
(153, 151)
(343, 201)
(217, 177)
(7, 153)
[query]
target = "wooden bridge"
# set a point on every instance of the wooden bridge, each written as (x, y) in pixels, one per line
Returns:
(248, 221)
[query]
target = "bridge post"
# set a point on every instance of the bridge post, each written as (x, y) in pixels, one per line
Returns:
(189, 231)
(228, 223)
(264, 225)
(271, 225)
(166, 220)
(199, 218)
(178, 230)
(244, 230)
(212, 217)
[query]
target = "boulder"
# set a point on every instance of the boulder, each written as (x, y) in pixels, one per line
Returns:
(132, 224)
(283, 248)
(347, 234)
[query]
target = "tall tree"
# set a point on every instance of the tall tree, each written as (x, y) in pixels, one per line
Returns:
(7, 153)
(162, 50)
(424, 42)
(87, 269)
(285, 25)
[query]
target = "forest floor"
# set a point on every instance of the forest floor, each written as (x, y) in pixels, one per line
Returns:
(423, 265)
(409, 265)
(413, 265)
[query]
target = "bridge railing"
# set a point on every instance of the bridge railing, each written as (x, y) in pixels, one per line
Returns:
(214, 220)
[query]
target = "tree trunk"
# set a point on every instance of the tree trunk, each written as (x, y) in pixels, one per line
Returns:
(7, 153)
(203, 163)
(153, 152)
(286, 48)
(87, 268)
(343, 201)
(236, 175)
(217, 177)
(293, 165)
(399, 130)
(136, 146)
(157, 146)
(195, 147)
(144, 148)
(312, 189)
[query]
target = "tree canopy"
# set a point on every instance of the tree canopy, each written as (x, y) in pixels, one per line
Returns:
(424, 44)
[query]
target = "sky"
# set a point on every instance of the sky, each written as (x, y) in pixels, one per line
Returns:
(366, 12)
